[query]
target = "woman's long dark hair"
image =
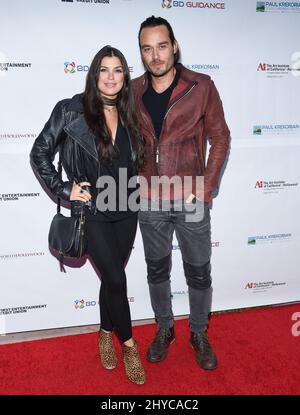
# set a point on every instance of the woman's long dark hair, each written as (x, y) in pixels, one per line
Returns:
(94, 113)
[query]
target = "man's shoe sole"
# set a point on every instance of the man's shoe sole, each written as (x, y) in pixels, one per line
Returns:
(163, 358)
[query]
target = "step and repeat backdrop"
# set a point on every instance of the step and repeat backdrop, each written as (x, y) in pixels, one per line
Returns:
(251, 50)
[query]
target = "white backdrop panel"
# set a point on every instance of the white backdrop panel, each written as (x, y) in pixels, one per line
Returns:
(255, 226)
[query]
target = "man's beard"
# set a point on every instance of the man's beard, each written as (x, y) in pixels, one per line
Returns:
(160, 73)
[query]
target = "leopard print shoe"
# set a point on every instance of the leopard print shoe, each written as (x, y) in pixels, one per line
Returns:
(107, 350)
(133, 365)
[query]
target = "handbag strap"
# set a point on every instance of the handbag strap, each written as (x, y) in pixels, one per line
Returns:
(59, 171)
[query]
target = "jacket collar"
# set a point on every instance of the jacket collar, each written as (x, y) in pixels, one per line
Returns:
(76, 103)
(185, 83)
(78, 129)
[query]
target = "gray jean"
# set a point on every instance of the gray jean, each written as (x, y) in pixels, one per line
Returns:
(193, 232)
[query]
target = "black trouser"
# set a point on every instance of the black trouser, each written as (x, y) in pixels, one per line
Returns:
(109, 247)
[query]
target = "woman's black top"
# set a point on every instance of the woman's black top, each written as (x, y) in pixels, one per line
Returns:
(114, 192)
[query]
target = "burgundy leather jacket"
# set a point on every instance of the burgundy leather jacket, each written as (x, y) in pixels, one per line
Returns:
(193, 117)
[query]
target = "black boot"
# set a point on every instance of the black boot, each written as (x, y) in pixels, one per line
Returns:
(204, 353)
(159, 347)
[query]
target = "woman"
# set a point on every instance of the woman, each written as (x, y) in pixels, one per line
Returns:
(96, 133)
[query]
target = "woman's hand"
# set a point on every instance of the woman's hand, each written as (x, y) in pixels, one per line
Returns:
(78, 193)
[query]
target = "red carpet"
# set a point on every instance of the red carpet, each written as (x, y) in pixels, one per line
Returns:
(256, 350)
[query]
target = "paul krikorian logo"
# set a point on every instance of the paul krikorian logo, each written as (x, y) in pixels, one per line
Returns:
(262, 286)
(274, 186)
(276, 129)
(168, 4)
(204, 67)
(80, 304)
(260, 6)
(278, 6)
(257, 130)
(177, 294)
(215, 244)
(265, 239)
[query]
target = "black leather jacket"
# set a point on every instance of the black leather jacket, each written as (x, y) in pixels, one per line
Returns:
(67, 131)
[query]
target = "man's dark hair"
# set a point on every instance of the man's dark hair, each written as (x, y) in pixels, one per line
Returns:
(153, 21)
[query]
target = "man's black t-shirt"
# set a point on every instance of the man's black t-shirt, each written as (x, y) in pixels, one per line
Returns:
(156, 104)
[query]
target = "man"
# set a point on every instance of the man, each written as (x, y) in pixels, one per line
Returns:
(178, 110)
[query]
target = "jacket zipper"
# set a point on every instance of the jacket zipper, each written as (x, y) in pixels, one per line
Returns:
(157, 156)
(157, 145)
(179, 100)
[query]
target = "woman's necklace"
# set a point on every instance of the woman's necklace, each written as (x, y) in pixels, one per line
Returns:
(109, 104)
(110, 109)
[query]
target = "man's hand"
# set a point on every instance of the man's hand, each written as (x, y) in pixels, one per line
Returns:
(190, 198)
